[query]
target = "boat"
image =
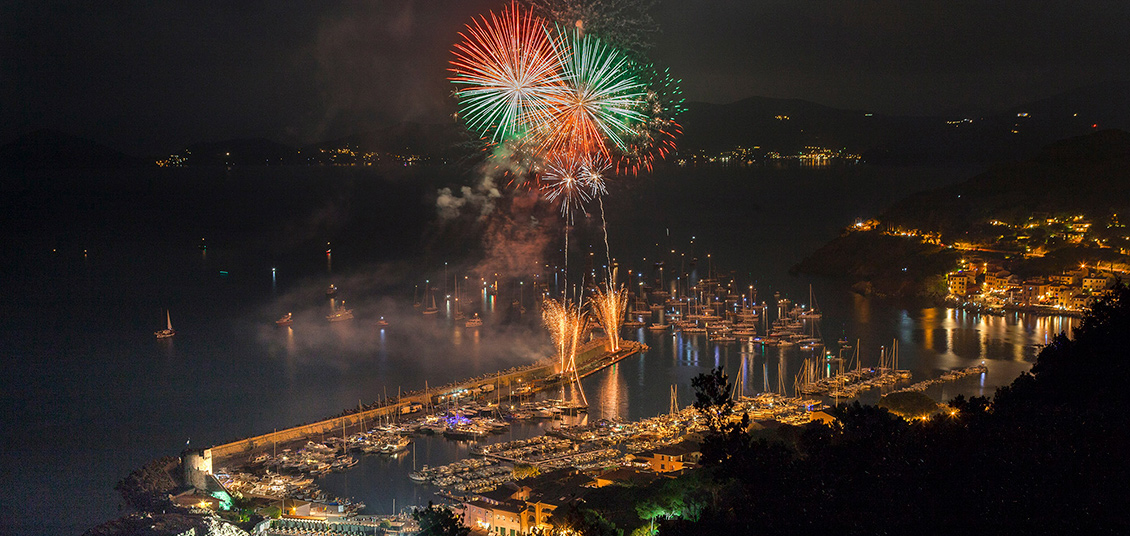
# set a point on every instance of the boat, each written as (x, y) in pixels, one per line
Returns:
(331, 291)
(813, 312)
(382, 322)
(396, 444)
(168, 331)
(474, 321)
(340, 314)
(433, 428)
(431, 310)
(459, 314)
(657, 327)
(465, 433)
(286, 320)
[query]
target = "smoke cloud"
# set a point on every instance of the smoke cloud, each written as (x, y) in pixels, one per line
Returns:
(412, 348)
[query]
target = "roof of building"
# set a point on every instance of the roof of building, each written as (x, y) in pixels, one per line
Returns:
(627, 475)
(510, 506)
(480, 504)
(678, 449)
(561, 491)
(498, 494)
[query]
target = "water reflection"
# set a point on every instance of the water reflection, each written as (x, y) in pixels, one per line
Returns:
(613, 399)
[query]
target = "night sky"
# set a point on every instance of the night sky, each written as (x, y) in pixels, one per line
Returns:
(149, 77)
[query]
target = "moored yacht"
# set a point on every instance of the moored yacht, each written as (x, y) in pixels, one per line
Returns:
(396, 444)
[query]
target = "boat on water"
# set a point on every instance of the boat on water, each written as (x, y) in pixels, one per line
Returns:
(168, 331)
(474, 321)
(465, 433)
(286, 320)
(419, 476)
(396, 444)
(431, 310)
(331, 291)
(382, 322)
(813, 311)
(340, 313)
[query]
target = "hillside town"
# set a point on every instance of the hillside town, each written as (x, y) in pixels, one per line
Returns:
(990, 286)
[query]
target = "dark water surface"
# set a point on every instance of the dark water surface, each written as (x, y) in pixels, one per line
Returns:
(89, 394)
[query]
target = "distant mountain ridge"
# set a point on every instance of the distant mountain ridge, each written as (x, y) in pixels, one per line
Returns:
(53, 150)
(785, 126)
(790, 125)
(1082, 179)
(1087, 175)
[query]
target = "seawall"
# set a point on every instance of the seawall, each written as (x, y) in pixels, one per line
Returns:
(591, 357)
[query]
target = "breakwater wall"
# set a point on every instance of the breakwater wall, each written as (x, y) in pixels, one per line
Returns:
(591, 357)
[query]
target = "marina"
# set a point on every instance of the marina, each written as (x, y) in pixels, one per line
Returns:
(231, 372)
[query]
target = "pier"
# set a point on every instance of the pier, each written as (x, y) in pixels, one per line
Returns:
(591, 358)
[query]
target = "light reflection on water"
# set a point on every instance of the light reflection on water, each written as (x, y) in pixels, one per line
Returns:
(930, 340)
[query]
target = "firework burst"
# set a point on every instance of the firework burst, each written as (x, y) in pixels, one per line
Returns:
(593, 171)
(509, 72)
(565, 181)
(565, 108)
(609, 305)
(601, 100)
(654, 137)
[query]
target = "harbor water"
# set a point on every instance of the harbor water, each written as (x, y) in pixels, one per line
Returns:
(90, 394)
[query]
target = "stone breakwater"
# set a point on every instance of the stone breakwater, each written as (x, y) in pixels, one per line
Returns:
(591, 358)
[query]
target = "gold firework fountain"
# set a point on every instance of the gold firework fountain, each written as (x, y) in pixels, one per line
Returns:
(565, 324)
(609, 306)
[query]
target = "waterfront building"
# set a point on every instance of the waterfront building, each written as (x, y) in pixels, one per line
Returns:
(1097, 282)
(671, 458)
(960, 282)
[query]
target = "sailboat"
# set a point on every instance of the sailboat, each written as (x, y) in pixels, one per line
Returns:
(168, 331)
(431, 309)
(813, 312)
(458, 307)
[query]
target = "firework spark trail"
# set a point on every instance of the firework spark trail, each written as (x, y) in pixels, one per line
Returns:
(565, 324)
(609, 305)
(565, 279)
(510, 72)
(607, 250)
